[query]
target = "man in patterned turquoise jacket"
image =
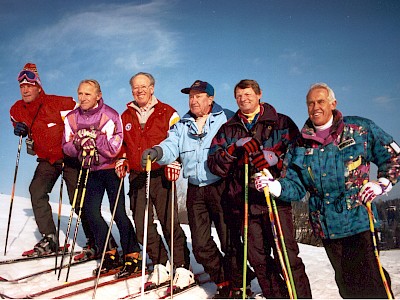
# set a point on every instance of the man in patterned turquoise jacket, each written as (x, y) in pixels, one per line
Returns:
(332, 164)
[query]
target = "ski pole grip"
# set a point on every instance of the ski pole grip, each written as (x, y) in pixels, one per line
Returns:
(246, 158)
(148, 164)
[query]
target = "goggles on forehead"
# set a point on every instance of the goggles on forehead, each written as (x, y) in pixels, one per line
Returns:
(28, 75)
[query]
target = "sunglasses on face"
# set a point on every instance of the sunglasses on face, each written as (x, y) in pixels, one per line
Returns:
(28, 75)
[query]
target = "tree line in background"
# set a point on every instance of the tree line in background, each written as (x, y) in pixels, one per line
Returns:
(388, 212)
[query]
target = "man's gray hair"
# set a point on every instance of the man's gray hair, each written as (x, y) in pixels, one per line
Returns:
(322, 85)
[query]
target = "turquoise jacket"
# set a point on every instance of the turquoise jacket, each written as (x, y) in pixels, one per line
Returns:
(333, 171)
(185, 141)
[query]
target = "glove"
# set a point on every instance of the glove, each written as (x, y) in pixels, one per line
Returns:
(172, 171)
(82, 133)
(21, 129)
(88, 144)
(155, 153)
(264, 159)
(371, 189)
(264, 179)
(249, 144)
(81, 136)
(122, 167)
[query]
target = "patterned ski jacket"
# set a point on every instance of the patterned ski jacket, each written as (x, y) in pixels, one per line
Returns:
(185, 141)
(44, 117)
(276, 132)
(108, 125)
(138, 139)
(334, 170)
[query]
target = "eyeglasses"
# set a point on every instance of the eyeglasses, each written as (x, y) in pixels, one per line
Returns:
(142, 87)
(29, 75)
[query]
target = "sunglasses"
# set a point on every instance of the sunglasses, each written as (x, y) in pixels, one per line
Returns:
(28, 75)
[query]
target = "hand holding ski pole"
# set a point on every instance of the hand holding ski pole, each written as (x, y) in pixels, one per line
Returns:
(264, 180)
(172, 171)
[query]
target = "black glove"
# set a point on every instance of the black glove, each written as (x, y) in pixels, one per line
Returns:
(155, 153)
(21, 129)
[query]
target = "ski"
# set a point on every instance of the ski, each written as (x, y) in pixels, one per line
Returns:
(29, 255)
(90, 288)
(25, 277)
(72, 283)
(165, 286)
(178, 291)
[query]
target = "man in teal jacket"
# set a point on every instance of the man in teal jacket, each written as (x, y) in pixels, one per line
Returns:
(332, 163)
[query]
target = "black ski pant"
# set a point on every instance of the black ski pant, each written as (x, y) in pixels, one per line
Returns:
(203, 204)
(159, 198)
(356, 269)
(99, 182)
(267, 268)
(44, 179)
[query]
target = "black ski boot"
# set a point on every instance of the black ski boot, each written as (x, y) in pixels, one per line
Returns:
(46, 245)
(133, 264)
(111, 261)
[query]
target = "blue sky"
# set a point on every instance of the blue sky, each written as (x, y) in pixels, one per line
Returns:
(284, 45)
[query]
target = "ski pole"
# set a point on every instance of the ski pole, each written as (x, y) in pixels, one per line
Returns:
(71, 214)
(172, 237)
(246, 223)
(91, 154)
(108, 236)
(283, 244)
(372, 229)
(59, 216)
(13, 192)
(146, 222)
(278, 248)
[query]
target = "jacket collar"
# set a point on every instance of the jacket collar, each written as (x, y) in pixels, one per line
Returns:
(308, 131)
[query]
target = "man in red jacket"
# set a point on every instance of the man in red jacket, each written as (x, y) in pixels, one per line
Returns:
(146, 122)
(39, 117)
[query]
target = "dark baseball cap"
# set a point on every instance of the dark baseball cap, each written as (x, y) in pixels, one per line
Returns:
(199, 85)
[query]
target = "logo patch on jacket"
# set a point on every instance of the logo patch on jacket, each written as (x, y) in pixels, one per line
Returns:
(128, 126)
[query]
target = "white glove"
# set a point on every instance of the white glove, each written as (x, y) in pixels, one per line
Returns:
(371, 189)
(264, 179)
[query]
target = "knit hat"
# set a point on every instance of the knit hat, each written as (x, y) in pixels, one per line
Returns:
(29, 75)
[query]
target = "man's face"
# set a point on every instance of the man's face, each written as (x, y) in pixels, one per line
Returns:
(318, 106)
(247, 100)
(200, 103)
(142, 91)
(88, 95)
(29, 92)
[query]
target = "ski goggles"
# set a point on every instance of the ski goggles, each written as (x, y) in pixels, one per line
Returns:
(29, 76)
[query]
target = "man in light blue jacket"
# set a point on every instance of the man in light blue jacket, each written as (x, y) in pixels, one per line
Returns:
(190, 140)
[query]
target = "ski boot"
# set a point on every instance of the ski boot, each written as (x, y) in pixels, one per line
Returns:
(46, 245)
(133, 264)
(159, 276)
(111, 262)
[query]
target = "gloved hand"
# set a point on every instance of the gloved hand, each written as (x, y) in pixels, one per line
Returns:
(249, 144)
(122, 167)
(264, 159)
(88, 144)
(82, 135)
(155, 153)
(21, 129)
(172, 171)
(371, 189)
(263, 179)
